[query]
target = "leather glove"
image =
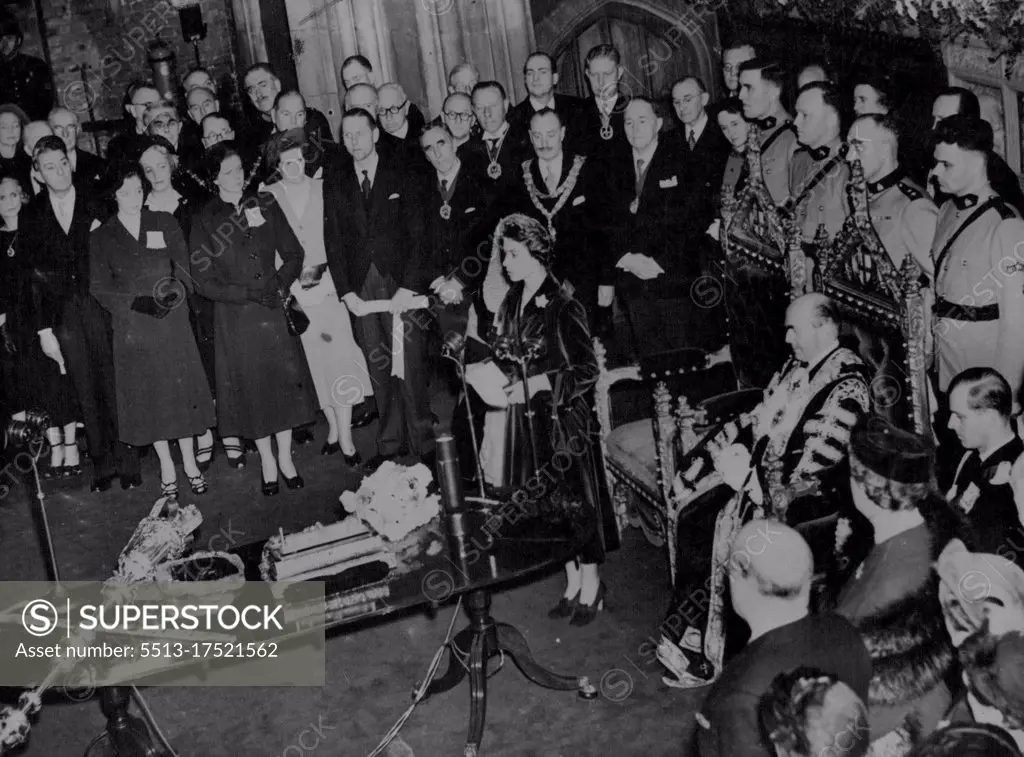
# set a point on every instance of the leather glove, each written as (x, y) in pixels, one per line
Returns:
(170, 294)
(149, 306)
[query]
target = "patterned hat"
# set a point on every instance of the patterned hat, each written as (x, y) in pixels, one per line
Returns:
(895, 467)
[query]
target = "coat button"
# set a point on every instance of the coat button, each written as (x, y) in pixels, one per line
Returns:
(258, 276)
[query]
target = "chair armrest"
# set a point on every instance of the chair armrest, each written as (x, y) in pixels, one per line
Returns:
(606, 379)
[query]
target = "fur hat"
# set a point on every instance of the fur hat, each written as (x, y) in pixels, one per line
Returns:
(995, 669)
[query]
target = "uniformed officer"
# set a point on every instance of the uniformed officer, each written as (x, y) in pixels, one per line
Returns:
(761, 83)
(818, 173)
(903, 215)
(979, 263)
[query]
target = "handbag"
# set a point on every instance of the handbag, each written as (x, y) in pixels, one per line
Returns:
(294, 316)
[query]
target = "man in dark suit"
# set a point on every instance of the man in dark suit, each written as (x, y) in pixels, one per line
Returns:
(702, 146)
(568, 192)
(290, 112)
(541, 74)
(262, 86)
(457, 208)
(497, 149)
(600, 129)
(88, 169)
(396, 119)
(74, 330)
(661, 281)
(374, 242)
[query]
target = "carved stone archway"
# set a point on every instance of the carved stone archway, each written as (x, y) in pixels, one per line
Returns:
(677, 24)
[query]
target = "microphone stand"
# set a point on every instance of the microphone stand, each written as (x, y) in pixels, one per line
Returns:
(454, 349)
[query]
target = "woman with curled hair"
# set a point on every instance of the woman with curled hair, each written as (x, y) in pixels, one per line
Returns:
(264, 389)
(336, 363)
(545, 461)
(809, 713)
(138, 271)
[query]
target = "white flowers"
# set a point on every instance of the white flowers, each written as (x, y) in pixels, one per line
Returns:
(969, 498)
(843, 531)
(394, 500)
(542, 301)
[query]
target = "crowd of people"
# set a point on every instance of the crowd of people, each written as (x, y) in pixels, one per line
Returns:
(218, 275)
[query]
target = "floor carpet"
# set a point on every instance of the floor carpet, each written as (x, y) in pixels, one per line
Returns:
(372, 669)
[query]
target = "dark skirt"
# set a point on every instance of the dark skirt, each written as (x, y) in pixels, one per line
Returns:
(162, 391)
(32, 381)
(554, 479)
(263, 381)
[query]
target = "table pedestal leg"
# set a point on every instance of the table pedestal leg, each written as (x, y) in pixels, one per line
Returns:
(126, 735)
(475, 645)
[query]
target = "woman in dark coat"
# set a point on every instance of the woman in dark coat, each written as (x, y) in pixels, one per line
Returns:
(550, 445)
(138, 266)
(29, 380)
(173, 192)
(263, 383)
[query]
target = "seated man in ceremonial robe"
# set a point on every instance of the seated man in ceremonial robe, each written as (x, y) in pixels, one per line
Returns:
(762, 463)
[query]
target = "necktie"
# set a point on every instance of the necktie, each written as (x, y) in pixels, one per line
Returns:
(551, 180)
(492, 148)
(444, 187)
(690, 141)
(366, 186)
(639, 176)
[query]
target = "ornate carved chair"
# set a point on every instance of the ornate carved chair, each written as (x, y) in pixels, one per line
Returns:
(640, 455)
(886, 307)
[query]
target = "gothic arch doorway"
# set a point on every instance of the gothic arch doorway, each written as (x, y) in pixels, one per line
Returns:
(659, 40)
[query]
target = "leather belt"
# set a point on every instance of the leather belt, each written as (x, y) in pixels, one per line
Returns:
(947, 309)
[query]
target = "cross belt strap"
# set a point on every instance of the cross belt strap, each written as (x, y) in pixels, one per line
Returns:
(974, 314)
(991, 202)
(793, 203)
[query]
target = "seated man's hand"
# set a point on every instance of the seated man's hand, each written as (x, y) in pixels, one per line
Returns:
(734, 464)
(714, 230)
(605, 296)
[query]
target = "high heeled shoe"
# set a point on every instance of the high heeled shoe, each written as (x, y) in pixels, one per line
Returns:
(330, 448)
(565, 608)
(271, 488)
(584, 615)
(204, 457)
(198, 484)
(294, 483)
(352, 461)
(237, 460)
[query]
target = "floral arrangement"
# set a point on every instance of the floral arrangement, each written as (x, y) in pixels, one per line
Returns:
(394, 501)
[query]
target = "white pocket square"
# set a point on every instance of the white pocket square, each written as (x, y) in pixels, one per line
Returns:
(155, 240)
(394, 196)
(579, 201)
(469, 210)
(254, 217)
(95, 225)
(669, 183)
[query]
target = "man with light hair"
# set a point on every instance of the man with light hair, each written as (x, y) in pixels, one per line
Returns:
(770, 569)
(162, 120)
(88, 169)
(462, 78)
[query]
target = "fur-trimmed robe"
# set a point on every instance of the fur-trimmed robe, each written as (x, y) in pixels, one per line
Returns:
(893, 601)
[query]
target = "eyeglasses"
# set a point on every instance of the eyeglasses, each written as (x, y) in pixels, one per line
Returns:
(394, 111)
(458, 116)
(168, 124)
(263, 86)
(220, 136)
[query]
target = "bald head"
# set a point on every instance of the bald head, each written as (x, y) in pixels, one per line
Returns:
(32, 133)
(812, 326)
(774, 560)
(362, 96)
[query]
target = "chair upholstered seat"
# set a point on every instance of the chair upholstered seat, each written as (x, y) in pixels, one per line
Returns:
(631, 451)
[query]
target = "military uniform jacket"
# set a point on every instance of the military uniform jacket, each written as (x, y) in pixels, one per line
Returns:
(775, 159)
(979, 290)
(817, 186)
(987, 505)
(904, 218)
